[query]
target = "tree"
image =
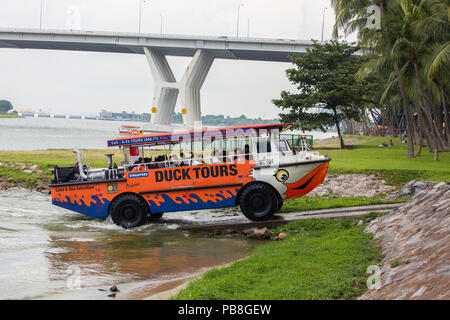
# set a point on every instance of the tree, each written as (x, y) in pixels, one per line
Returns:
(328, 91)
(5, 106)
(412, 44)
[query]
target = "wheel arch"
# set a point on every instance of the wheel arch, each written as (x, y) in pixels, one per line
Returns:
(279, 197)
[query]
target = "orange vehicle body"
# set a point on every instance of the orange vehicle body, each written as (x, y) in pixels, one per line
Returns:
(216, 186)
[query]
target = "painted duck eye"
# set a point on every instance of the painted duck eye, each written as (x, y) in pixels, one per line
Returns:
(282, 175)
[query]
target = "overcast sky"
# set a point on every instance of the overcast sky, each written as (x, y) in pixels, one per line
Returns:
(85, 83)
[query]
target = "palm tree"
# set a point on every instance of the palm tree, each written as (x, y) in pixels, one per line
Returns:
(413, 45)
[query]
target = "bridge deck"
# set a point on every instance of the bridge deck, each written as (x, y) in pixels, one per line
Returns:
(173, 45)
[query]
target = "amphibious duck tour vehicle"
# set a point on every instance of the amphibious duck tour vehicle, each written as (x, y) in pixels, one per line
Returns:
(246, 166)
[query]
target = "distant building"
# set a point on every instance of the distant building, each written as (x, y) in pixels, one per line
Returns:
(108, 115)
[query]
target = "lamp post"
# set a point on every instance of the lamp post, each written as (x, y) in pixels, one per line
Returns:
(323, 21)
(40, 19)
(248, 28)
(140, 13)
(237, 28)
(160, 31)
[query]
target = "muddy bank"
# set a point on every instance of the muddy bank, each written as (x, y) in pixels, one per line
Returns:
(416, 241)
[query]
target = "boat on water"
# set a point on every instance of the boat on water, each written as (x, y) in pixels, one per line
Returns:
(246, 166)
(125, 130)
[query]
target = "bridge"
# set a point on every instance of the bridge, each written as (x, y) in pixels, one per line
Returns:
(156, 47)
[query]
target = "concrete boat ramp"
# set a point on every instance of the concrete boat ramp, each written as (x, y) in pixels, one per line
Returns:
(282, 218)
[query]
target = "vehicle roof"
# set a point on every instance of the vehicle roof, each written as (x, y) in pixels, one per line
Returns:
(177, 136)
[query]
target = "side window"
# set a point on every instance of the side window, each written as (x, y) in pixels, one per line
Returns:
(263, 147)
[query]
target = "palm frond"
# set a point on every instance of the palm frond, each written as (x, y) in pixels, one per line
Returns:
(440, 60)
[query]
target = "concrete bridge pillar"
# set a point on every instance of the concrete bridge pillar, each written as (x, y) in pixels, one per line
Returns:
(167, 88)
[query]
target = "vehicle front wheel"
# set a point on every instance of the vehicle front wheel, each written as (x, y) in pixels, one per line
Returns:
(280, 205)
(128, 211)
(258, 202)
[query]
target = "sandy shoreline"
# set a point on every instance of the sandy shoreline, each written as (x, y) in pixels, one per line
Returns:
(172, 288)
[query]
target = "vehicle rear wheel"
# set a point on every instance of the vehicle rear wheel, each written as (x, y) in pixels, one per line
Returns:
(258, 202)
(128, 211)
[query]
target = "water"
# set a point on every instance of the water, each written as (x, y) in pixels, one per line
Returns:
(56, 133)
(46, 251)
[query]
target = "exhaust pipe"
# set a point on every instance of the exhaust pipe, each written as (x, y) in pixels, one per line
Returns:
(80, 164)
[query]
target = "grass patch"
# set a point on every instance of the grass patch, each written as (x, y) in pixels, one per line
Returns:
(47, 159)
(320, 259)
(9, 115)
(317, 203)
(363, 155)
(21, 178)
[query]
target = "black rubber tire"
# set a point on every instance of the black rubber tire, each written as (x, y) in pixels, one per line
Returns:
(280, 204)
(153, 216)
(258, 202)
(128, 211)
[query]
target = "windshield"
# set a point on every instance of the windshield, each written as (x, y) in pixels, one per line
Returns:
(284, 145)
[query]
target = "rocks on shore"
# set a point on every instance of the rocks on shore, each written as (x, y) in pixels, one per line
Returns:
(251, 233)
(415, 240)
(261, 234)
(351, 185)
(411, 188)
(6, 184)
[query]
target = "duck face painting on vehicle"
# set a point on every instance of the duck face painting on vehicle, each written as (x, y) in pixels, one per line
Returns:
(292, 181)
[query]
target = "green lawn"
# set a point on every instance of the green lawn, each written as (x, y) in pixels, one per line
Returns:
(390, 163)
(320, 259)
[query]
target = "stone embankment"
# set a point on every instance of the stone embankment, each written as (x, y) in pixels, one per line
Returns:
(411, 188)
(415, 240)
